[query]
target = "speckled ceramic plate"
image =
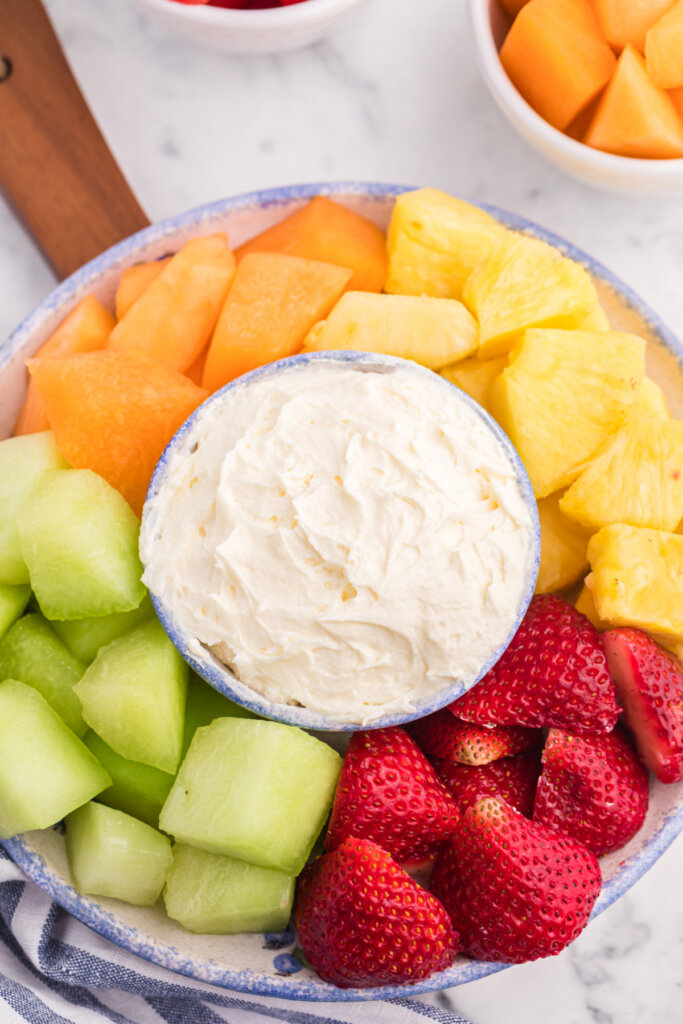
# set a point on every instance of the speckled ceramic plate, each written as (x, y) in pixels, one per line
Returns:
(264, 964)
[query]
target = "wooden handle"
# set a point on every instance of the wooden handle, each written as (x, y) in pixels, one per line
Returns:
(55, 166)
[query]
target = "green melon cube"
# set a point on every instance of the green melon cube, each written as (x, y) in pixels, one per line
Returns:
(32, 653)
(79, 539)
(133, 696)
(13, 601)
(219, 895)
(84, 637)
(255, 790)
(137, 789)
(23, 460)
(45, 770)
(113, 854)
(203, 705)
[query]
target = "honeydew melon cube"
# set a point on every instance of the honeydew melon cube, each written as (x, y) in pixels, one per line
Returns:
(133, 696)
(113, 854)
(13, 601)
(136, 789)
(206, 892)
(255, 790)
(45, 770)
(79, 539)
(84, 637)
(203, 705)
(31, 652)
(23, 460)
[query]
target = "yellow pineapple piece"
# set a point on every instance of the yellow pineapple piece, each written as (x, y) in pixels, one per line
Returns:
(475, 376)
(586, 605)
(434, 241)
(526, 283)
(650, 401)
(637, 578)
(430, 331)
(594, 320)
(564, 547)
(562, 396)
(636, 479)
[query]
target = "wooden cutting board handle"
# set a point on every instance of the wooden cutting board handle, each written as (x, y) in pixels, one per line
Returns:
(55, 167)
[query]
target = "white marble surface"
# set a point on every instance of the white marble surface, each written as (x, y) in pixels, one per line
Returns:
(394, 95)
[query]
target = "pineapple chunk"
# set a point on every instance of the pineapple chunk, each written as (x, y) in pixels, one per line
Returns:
(586, 605)
(433, 332)
(475, 376)
(637, 578)
(594, 320)
(434, 242)
(563, 395)
(526, 283)
(636, 479)
(564, 547)
(650, 401)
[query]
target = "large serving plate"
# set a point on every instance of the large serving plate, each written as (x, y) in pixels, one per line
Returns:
(264, 964)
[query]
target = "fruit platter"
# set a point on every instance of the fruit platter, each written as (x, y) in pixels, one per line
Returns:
(197, 825)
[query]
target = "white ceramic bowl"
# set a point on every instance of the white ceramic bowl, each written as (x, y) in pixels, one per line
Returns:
(261, 31)
(614, 173)
(265, 964)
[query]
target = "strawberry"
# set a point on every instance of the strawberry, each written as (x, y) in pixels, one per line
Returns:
(444, 736)
(513, 779)
(649, 682)
(554, 673)
(362, 921)
(593, 788)
(389, 792)
(515, 890)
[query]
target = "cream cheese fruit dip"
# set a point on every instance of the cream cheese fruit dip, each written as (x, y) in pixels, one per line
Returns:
(351, 537)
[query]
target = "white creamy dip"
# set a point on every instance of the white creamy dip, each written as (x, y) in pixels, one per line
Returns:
(346, 540)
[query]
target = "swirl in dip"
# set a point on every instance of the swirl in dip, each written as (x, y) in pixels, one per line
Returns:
(351, 537)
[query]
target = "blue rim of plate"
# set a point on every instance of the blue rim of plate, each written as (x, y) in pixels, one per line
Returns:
(131, 939)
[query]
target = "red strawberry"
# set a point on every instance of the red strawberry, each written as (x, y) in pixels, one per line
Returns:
(515, 889)
(513, 779)
(554, 673)
(362, 921)
(592, 788)
(444, 736)
(389, 792)
(649, 682)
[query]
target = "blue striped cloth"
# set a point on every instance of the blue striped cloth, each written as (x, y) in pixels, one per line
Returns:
(54, 970)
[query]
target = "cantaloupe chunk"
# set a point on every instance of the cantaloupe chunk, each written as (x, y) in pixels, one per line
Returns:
(513, 7)
(326, 231)
(664, 49)
(196, 371)
(627, 21)
(173, 319)
(557, 58)
(114, 415)
(273, 303)
(635, 118)
(85, 329)
(134, 281)
(677, 100)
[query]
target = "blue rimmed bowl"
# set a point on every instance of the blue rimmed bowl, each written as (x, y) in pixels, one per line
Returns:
(257, 963)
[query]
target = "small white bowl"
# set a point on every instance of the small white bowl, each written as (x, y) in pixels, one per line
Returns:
(270, 30)
(614, 173)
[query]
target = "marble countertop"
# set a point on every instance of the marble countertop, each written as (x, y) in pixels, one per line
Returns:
(394, 95)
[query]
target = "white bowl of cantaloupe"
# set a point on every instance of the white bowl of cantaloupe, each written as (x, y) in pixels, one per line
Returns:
(592, 85)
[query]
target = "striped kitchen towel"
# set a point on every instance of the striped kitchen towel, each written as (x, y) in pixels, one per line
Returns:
(54, 970)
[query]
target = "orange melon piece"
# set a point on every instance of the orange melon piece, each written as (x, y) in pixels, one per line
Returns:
(556, 57)
(634, 117)
(85, 329)
(664, 49)
(326, 231)
(196, 371)
(114, 414)
(625, 22)
(134, 281)
(172, 320)
(677, 100)
(513, 7)
(273, 303)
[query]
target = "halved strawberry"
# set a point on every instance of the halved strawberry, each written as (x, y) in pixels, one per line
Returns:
(444, 736)
(649, 682)
(515, 890)
(554, 673)
(388, 792)
(513, 779)
(362, 921)
(593, 788)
